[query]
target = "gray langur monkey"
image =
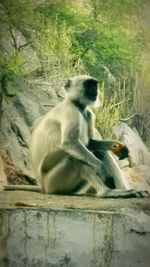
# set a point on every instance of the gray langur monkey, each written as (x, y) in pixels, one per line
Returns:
(67, 154)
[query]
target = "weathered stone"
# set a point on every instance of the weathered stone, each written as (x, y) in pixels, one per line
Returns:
(3, 178)
(139, 154)
(136, 169)
(138, 177)
(115, 233)
(19, 115)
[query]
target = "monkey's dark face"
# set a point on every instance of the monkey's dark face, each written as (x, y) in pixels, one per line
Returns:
(83, 89)
(91, 89)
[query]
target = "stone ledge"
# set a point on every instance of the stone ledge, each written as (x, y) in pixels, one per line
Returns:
(66, 231)
(37, 200)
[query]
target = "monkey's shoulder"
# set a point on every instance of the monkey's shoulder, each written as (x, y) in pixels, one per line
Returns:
(76, 112)
(88, 115)
(66, 108)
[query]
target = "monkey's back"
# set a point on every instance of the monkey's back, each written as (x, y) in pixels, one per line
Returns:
(45, 138)
(47, 133)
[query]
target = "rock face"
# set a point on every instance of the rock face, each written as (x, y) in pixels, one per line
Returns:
(19, 114)
(139, 154)
(23, 102)
(115, 234)
(3, 178)
(136, 168)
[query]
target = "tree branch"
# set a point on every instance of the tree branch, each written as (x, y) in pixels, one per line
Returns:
(23, 46)
(130, 117)
(15, 45)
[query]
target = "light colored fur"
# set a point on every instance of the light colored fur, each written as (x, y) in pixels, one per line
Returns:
(61, 161)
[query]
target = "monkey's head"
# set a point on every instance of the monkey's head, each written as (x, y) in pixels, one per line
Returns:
(83, 89)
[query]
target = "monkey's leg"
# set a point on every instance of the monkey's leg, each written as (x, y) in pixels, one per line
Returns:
(103, 191)
(52, 159)
(113, 177)
(109, 181)
(108, 178)
(49, 162)
(63, 178)
(92, 188)
(93, 181)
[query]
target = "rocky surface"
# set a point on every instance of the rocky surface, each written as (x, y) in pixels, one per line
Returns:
(32, 199)
(19, 113)
(24, 101)
(53, 231)
(3, 177)
(136, 168)
(139, 154)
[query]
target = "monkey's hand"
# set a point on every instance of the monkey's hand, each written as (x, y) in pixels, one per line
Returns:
(120, 150)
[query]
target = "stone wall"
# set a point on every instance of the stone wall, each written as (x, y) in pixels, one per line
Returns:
(116, 234)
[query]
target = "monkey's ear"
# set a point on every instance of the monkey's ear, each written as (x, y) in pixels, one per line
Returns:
(67, 85)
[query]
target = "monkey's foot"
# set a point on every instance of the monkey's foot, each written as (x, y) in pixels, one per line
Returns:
(119, 193)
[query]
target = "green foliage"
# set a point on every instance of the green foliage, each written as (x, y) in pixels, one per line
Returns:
(78, 37)
(66, 13)
(116, 51)
(102, 38)
(11, 65)
(55, 56)
(19, 15)
(109, 113)
(124, 104)
(116, 12)
(107, 48)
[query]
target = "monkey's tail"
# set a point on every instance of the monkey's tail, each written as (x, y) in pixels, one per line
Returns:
(33, 188)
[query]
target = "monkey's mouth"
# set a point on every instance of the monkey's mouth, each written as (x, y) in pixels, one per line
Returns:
(93, 97)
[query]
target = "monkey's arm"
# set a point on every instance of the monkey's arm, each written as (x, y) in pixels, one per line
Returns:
(71, 144)
(116, 147)
(101, 145)
(80, 152)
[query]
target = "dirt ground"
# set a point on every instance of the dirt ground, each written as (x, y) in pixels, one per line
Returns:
(58, 202)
